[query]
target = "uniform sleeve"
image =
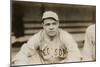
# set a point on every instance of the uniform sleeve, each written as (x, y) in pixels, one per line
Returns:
(87, 49)
(74, 54)
(27, 50)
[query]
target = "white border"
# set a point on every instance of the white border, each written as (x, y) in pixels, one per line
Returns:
(83, 2)
(5, 33)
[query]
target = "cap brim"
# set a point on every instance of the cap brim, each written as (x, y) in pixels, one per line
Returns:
(49, 18)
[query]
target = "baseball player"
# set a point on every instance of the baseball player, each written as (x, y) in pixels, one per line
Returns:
(50, 45)
(89, 45)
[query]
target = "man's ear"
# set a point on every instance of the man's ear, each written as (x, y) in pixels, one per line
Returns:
(58, 23)
(43, 25)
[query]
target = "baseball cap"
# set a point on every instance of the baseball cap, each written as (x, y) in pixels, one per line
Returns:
(50, 14)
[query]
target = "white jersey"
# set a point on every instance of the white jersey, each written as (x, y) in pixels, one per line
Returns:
(89, 45)
(41, 50)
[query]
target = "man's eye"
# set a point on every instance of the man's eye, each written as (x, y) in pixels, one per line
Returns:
(54, 23)
(47, 24)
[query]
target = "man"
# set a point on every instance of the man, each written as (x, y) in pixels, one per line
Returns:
(89, 45)
(50, 45)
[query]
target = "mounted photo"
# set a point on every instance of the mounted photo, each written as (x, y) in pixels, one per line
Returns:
(52, 33)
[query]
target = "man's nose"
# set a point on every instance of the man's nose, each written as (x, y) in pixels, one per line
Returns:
(51, 27)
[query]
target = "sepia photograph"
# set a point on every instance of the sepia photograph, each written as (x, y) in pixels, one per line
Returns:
(52, 33)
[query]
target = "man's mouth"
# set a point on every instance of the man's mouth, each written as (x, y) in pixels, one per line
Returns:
(51, 31)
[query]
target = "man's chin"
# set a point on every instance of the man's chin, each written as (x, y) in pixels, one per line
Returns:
(52, 35)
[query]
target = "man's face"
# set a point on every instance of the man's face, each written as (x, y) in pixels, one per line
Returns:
(51, 27)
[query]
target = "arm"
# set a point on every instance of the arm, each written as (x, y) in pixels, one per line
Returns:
(27, 50)
(88, 45)
(72, 48)
(22, 56)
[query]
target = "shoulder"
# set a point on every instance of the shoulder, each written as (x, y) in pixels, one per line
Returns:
(35, 38)
(65, 36)
(67, 39)
(64, 33)
(90, 31)
(91, 28)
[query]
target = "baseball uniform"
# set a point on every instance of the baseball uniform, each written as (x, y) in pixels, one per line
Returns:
(41, 50)
(89, 45)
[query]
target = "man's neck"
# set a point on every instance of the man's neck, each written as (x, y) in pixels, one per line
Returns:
(51, 37)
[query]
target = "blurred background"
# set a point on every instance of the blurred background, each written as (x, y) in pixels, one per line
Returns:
(26, 20)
